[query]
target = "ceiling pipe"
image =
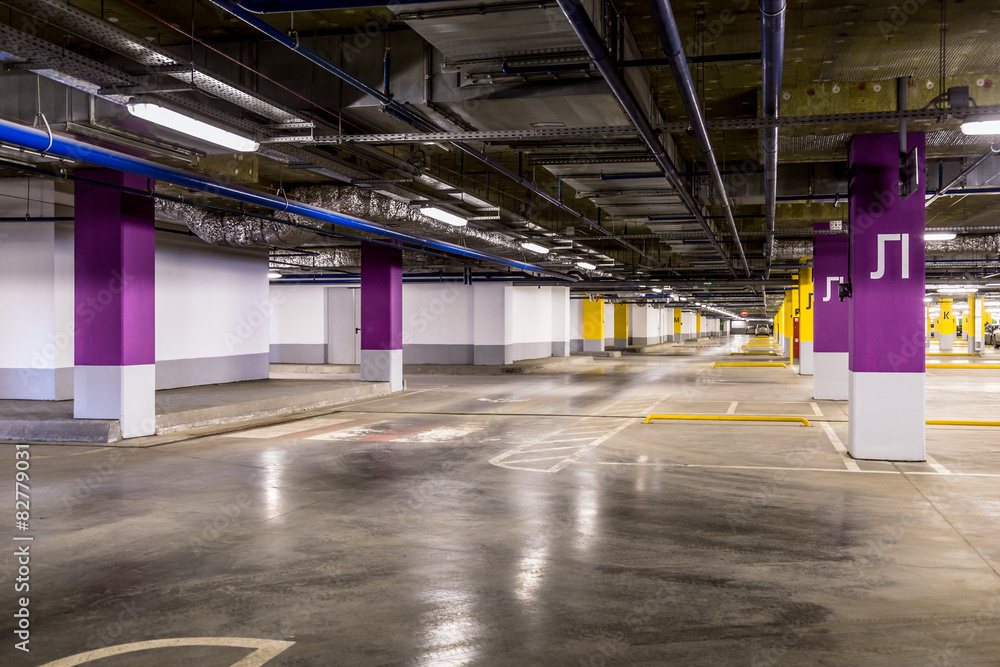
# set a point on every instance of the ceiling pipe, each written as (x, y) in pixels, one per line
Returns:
(597, 51)
(402, 112)
(670, 38)
(772, 52)
(54, 144)
(943, 190)
(281, 7)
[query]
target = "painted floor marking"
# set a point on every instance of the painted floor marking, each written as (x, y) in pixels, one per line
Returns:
(937, 466)
(289, 428)
(816, 410)
(732, 408)
(849, 463)
(266, 649)
(596, 432)
(843, 470)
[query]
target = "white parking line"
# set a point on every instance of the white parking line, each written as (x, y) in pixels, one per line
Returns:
(937, 466)
(849, 463)
(816, 410)
(732, 408)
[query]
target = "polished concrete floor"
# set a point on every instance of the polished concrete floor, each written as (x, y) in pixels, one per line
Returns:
(527, 521)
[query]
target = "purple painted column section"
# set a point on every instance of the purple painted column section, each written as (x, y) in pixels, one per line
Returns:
(887, 324)
(381, 297)
(829, 270)
(887, 387)
(114, 242)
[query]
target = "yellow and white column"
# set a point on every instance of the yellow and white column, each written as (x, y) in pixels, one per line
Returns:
(678, 322)
(946, 333)
(805, 321)
(621, 325)
(786, 326)
(593, 325)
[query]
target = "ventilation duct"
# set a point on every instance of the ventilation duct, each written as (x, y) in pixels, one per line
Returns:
(399, 215)
(239, 231)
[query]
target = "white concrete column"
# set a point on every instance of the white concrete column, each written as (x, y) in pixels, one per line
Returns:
(493, 324)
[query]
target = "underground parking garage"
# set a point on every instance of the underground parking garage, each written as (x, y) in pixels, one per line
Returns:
(505, 333)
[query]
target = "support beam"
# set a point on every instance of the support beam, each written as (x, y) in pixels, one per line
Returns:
(830, 360)
(115, 335)
(886, 340)
(382, 314)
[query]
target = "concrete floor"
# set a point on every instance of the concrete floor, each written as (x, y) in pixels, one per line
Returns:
(529, 521)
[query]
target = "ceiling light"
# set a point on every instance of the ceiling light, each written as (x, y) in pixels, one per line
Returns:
(534, 247)
(989, 126)
(683, 298)
(195, 128)
(444, 216)
(657, 289)
(927, 299)
(939, 236)
(586, 265)
(957, 290)
(273, 275)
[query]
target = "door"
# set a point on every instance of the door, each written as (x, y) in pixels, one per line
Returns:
(343, 325)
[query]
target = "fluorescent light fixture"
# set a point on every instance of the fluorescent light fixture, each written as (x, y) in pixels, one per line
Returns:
(273, 275)
(684, 298)
(195, 128)
(586, 265)
(989, 126)
(534, 247)
(939, 236)
(958, 290)
(657, 289)
(444, 216)
(927, 299)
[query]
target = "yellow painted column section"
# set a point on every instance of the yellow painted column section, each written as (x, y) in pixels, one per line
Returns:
(593, 319)
(970, 327)
(806, 305)
(677, 323)
(948, 325)
(786, 327)
(621, 324)
(697, 319)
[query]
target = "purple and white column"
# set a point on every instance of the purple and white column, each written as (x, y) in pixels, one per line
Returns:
(830, 358)
(382, 314)
(886, 331)
(115, 333)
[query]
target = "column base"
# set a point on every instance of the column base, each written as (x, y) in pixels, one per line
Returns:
(593, 345)
(806, 361)
(947, 342)
(621, 342)
(125, 393)
(831, 376)
(383, 366)
(887, 413)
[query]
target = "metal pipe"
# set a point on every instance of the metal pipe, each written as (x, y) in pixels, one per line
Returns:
(772, 53)
(279, 6)
(670, 38)
(594, 45)
(38, 140)
(965, 172)
(402, 111)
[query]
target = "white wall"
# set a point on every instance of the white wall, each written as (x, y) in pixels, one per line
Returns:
(576, 324)
(297, 330)
(212, 312)
(36, 294)
(437, 313)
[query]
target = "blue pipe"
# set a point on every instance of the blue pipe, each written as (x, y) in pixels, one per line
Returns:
(403, 112)
(37, 140)
(772, 55)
